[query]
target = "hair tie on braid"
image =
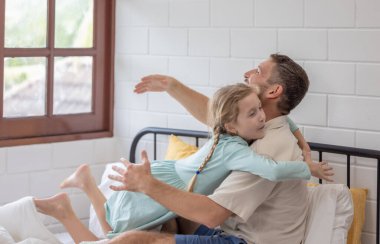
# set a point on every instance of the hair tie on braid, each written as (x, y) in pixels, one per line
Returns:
(193, 179)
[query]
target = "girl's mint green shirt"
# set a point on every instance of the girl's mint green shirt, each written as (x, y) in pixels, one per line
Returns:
(128, 210)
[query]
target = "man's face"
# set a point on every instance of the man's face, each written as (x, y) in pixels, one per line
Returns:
(260, 75)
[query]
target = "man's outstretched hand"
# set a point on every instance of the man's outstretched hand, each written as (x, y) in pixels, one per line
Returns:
(155, 83)
(134, 177)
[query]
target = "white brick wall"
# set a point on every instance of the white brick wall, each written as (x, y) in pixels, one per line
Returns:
(332, 78)
(253, 43)
(330, 13)
(207, 43)
(165, 41)
(273, 13)
(336, 41)
(182, 13)
(231, 13)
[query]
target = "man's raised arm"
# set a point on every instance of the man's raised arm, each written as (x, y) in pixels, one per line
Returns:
(193, 101)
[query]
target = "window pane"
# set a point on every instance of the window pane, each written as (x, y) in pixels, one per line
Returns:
(73, 23)
(24, 87)
(72, 85)
(23, 27)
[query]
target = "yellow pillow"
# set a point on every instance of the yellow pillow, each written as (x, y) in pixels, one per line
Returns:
(359, 198)
(178, 149)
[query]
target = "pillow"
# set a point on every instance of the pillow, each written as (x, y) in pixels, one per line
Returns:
(178, 149)
(359, 197)
(342, 222)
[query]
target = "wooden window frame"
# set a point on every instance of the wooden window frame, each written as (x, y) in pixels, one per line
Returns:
(58, 128)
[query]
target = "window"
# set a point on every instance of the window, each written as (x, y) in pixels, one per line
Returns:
(56, 70)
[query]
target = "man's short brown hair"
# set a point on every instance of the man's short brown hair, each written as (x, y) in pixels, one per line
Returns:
(293, 79)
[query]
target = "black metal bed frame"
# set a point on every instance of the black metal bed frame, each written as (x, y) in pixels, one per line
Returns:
(318, 147)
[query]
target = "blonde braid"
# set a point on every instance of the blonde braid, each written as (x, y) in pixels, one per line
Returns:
(191, 186)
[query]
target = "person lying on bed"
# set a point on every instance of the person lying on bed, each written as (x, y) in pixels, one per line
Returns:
(237, 119)
(248, 208)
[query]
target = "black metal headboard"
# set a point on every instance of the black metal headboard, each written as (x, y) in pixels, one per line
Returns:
(318, 147)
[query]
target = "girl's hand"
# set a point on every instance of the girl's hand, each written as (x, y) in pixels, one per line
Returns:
(321, 170)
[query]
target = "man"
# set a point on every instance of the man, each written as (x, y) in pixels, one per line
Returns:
(248, 208)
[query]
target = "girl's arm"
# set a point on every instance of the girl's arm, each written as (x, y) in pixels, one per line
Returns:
(302, 143)
(320, 170)
(242, 158)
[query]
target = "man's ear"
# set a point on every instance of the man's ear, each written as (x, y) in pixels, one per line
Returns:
(275, 91)
(230, 128)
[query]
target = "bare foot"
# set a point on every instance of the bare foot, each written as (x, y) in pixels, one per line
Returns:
(81, 178)
(57, 206)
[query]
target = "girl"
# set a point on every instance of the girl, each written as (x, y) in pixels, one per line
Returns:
(237, 119)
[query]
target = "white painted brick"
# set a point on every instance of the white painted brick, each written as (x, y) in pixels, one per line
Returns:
(195, 13)
(303, 44)
(368, 79)
(311, 111)
(191, 71)
(364, 177)
(168, 41)
(130, 40)
(354, 45)
(104, 150)
(330, 136)
(231, 13)
(228, 71)
(140, 120)
(2, 160)
(162, 102)
(46, 184)
(253, 43)
(338, 78)
(367, 13)
(68, 154)
(125, 98)
(354, 112)
(123, 147)
(273, 13)
(209, 42)
(29, 158)
(142, 13)
(133, 68)
(330, 13)
(369, 140)
(370, 218)
(122, 122)
(13, 187)
(186, 122)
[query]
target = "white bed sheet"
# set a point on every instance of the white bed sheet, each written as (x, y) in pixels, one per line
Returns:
(329, 218)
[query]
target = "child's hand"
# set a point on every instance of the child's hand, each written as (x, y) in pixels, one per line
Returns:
(321, 170)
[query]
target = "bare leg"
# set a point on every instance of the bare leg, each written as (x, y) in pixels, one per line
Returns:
(59, 207)
(83, 179)
(143, 237)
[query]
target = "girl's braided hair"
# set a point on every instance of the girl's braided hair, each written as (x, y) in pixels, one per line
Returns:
(223, 108)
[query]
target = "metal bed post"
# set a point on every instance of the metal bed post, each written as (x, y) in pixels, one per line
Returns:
(348, 170)
(321, 148)
(377, 201)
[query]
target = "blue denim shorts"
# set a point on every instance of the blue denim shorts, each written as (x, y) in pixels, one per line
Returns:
(204, 235)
